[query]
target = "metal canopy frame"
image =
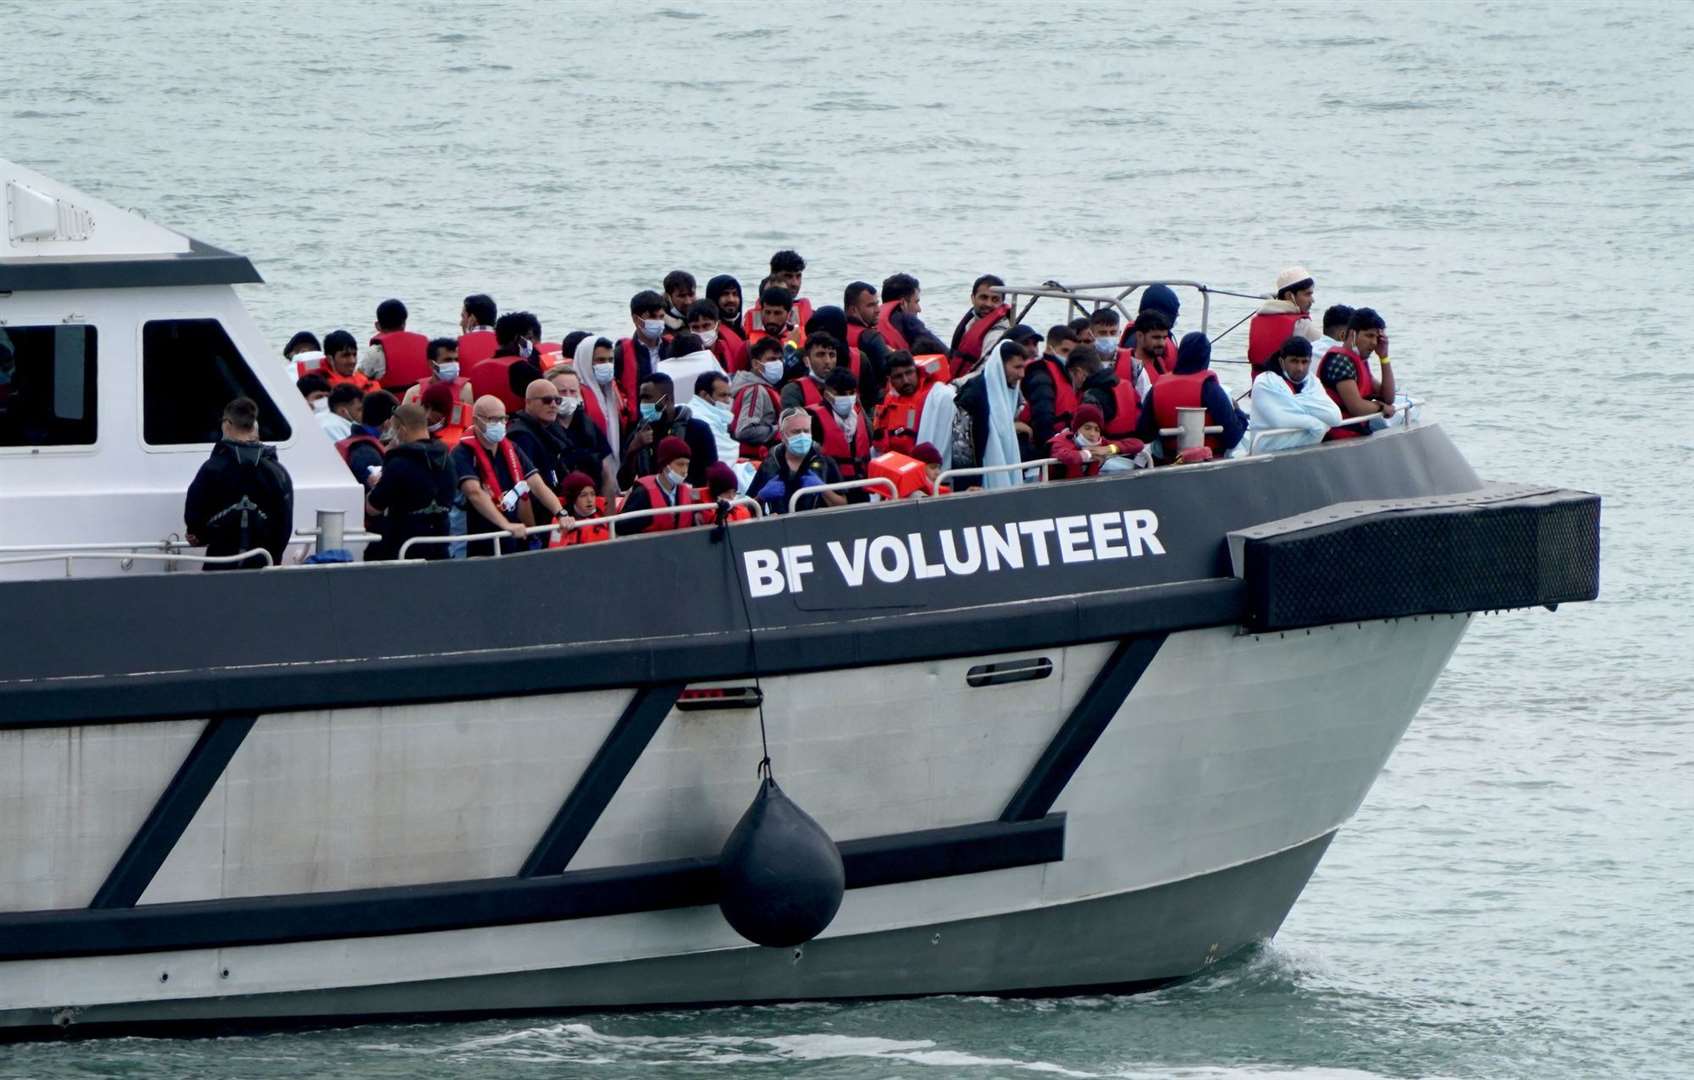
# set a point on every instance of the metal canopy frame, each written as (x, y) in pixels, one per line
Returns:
(1089, 297)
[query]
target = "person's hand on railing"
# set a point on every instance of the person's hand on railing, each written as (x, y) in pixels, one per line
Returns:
(517, 529)
(811, 479)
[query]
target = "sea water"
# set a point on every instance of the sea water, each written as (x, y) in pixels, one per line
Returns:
(1512, 186)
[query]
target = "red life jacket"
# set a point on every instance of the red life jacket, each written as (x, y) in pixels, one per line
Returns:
(591, 406)
(854, 332)
(493, 377)
(970, 346)
(754, 450)
(656, 499)
(1064, 394)
(1123, 422)
(885, 325)
(850, 457)
(361, 383)
(900, 414)
(731, 352)
(1181, 392)
(476, 346)
(345, 446)
(1367, 387)
(1266, 333)
(310, 362)
(751, 323)
(459, 418)
(809, 391)
(407, 357)
(628, 377)
(485, 467)
(1124, 368)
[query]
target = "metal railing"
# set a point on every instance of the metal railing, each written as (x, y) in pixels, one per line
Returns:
(127, 558)
(1042, 464)
(845, 485)
(695, 510)
(1100, 294)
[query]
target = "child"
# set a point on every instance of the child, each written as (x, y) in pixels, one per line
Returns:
(1082, 452)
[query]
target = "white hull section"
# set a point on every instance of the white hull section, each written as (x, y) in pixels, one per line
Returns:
(1231, 750)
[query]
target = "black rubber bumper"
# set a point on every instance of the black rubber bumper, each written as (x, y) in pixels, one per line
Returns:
(1493, 553)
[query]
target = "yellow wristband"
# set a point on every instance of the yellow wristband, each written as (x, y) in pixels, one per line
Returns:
(1383, 361)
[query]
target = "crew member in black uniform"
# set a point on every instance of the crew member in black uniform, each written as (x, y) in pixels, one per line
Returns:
(414, 491)
(242, 498)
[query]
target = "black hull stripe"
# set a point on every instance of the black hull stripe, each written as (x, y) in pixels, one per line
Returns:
(601, 779)
(568, 666)
(176, 807)
(1082, 728)
(577, 894)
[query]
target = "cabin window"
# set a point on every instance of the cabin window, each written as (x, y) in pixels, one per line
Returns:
(47, 385)
(1009, 671)
(190, 370)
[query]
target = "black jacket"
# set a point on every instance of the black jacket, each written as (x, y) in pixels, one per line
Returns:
(241, 499)
(415, 495)
(1041, 394)
(702, 449)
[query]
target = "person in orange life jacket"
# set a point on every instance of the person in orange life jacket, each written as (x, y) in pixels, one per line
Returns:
(497, 481)
(788, 271)
(341, 352)
(586, 447)
(897, 320)
(983, 325)
(981, 434)
(1144, 362)
(1083, 450)
(1344, 372)
(841, 430)
(722, 485)
(1287, 315)
(822, 356)
(680, 289)
(661, 418)
(476, 329)
(395, 357)
(1335, 320)
(666, 485)
(363, 449)
(895, 427)
(414, 496)
(729, 349)
(242, 498)
(756, 397)
(724, 291)
(1190, 385)
(582, 505)
(799, 463)
(774, 317)
(1047, 391)
(443, 356)
(634, 357)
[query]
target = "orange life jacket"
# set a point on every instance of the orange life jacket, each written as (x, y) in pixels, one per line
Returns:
(896, 426)
(737, 511)
(751, 324)
(360, 382)
(586, 534)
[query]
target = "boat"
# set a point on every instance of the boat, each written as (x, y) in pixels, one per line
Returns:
(1085, 734)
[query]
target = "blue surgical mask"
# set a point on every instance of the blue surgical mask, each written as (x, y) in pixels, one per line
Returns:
(1106, 345)
(447, 372)
(653, 329)
(603, 374)
(800, 444)
(842, 406)
(649, 412)
(773, 371)
(494, 432)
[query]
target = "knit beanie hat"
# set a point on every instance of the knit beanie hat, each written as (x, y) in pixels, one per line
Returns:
(575, 484)
(1087, 414)
(720, 479)
(926, 453)
(1194, 354)
(671, 449)
(1161, 298)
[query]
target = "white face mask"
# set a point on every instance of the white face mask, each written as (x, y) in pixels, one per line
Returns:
(603, 374)
(1083, 440)
(320, 405)
(653, 329)
(568, 407)
(708, 338)
(447, 372)
(773, 371)
(676, 478)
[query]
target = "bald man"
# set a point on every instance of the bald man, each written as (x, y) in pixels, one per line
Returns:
(538, 432)
(499, 482)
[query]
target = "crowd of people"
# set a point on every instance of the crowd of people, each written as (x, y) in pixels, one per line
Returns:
(710, 401)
